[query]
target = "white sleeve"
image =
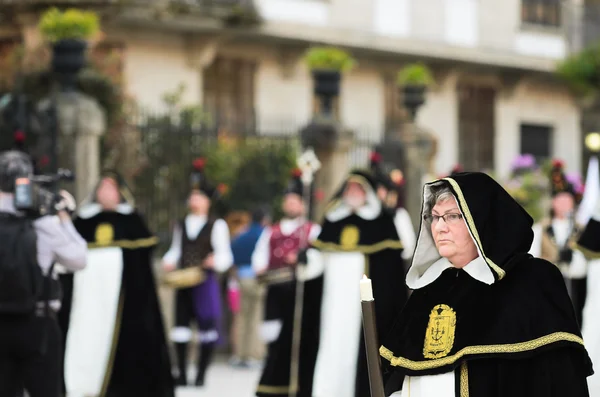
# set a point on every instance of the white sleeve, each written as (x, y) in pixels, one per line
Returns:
(59, 241)
(174, 253)
(260, 256)
(406, 232)
(221, 244)
(578, 267)
(536, 246)
(315, 230)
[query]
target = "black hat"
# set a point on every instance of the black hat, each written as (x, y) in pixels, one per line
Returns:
(558, 180)
(381, 178)
(295, 185)
(125, 193)
(198, 179)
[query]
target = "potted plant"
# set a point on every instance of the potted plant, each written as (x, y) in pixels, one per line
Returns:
(67, 31)
(413, 80)
(327, 65)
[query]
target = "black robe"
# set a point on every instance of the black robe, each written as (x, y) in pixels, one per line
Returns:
(515, 337)
(378, 240)
(141, 364)
(589, 240)
(280, 304)
(275, 378)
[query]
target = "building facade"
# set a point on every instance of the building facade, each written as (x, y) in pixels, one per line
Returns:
(495, 94)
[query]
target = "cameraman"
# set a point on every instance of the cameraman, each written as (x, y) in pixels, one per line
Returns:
(30, 339)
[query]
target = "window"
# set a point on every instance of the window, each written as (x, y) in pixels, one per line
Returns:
(229, 94)
(476, 127)
(541, 12)
(536, 140)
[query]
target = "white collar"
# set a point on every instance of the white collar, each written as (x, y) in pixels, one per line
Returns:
(369, 211)
(93, 209)
(477, 268)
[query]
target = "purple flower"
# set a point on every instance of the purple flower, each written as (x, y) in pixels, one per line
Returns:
(524, 161)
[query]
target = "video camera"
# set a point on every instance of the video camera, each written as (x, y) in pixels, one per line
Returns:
(38, 195)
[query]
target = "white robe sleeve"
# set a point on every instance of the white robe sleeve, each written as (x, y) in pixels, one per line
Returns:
(536, 246)
(221, 244)
(406, 232)
(315, 266)
(260, 256)
(174, 253)
(578, 268)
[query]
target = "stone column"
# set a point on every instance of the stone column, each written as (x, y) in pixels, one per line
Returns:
(331, 143)
(81, 123)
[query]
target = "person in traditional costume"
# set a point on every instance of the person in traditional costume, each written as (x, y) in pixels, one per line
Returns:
(358, 237)
(589, 244)
(485, 318)
(115, 340)
(279, 248)
(199, 242)
(555, 238)
(390, 189)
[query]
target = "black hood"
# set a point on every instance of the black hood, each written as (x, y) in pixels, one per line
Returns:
(500, 227)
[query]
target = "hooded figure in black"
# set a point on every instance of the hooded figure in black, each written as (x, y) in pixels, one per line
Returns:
(589, 245)
(485, 316)
(115, 344)
(358, 237)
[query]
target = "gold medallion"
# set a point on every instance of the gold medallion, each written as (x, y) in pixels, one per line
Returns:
(439, 337)
(104, 234)
(349, 237)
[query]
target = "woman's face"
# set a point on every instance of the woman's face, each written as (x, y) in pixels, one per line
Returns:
(354, 195)
(198, 203)
(451, 234)
(107, 194)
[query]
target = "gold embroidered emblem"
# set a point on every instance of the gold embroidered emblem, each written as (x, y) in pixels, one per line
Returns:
(349, 237)
(104, 234)
(439, 337)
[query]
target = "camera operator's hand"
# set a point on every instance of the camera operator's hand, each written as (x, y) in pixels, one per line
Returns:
(66, 202)
(168, 266)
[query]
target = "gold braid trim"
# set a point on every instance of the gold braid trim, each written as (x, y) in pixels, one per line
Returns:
(365, 249)
(113, 348)
(471, 223)
(128, 244)
(464, 380)
(276, 389)
(476, 350)
(588, 253)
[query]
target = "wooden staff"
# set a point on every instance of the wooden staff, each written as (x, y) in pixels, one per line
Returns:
(371, 339)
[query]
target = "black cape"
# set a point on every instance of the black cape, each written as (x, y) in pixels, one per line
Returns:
(589, 240)
(515, 337)
(141, 364)
(378, 240)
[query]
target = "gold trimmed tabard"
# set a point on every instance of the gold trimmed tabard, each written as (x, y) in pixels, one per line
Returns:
(439, 337)
(365, 249)
(127, 244)
(479, 350)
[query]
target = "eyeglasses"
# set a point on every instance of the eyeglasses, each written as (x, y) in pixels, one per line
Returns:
(450, 218)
